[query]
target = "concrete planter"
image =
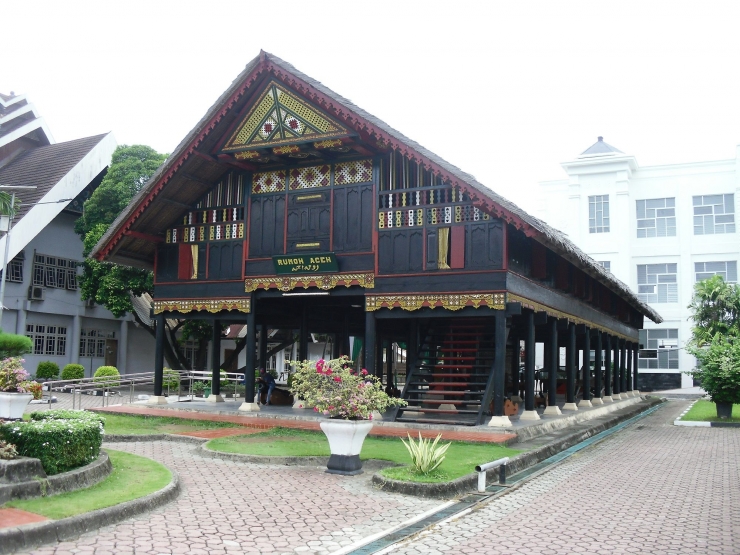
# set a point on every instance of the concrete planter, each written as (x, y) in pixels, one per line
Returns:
(724, 410)
(12, 405)
(345, 443)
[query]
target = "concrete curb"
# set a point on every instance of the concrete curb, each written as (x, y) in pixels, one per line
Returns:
(370, 464)
(697, 424)
(79, 478)
(518, 463)
(50, 531)
(120, 438)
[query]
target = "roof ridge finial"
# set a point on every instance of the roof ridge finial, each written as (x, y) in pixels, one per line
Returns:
(601, 139)
(262, 55)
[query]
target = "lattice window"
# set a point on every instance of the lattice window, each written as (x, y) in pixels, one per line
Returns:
(92, 342)
(55, 272)
(598, 214)
(358, 171)
(714, 214)
(15, 269)
(268, 182)
(705, 270)
(309, 178)
(657, 283)
(660, 349)
(47, 340)
(656, 217)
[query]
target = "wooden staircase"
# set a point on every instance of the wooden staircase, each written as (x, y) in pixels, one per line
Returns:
(453, 367)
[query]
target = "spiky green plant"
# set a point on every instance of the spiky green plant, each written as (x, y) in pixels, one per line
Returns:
(426, 456)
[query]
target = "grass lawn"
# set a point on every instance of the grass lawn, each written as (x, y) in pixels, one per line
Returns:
(706, 411)
(460, 459)
(132, 477)
(125, 424)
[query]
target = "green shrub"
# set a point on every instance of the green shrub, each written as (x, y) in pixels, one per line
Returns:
(12, 345)
(719, 368)
(73, 372)
(60, 445)
(199, 387)
(170, 379)
(107, 376)
(66, 414)
(47, 370)
(425, 455)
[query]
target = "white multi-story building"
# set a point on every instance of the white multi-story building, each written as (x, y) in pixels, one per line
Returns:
(659, 229)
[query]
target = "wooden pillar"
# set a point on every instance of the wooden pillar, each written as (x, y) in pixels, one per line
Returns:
(529, 411)
(623, 368)
(303, 345)
(498, 373)
(607, 368)
(586, 378)
(389, 359)
(251, 355)
(345, 350)
(158, 399)
(215, 396)
(369, 342)
(412, 346)
(598, 363)
(516, 387)
(635, 371)
(553, 362)
(570, 369)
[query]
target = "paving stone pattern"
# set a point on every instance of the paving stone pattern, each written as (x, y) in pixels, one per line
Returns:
(232, 507)
(653, 488)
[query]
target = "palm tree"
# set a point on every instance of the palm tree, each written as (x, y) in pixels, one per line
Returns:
(6, 208)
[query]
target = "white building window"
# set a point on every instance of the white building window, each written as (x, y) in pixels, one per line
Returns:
(657, 283)
(189, 349)
(656, 217)
(598, 214)
(47, 340)
(92, 342)
(714, 214)
(660, 349)
(15, 269)
(52, 271)
(705, 270)
(606, 264)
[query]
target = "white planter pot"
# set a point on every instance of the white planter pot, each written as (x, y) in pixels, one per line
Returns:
(345, 443)
(12, 405)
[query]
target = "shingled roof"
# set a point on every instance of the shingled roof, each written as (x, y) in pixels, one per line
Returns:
(340, 106)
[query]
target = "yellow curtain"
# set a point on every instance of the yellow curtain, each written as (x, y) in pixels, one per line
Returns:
(443, 244)
(194, 257)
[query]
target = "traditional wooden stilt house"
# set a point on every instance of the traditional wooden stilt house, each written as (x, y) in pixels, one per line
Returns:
(289, 207)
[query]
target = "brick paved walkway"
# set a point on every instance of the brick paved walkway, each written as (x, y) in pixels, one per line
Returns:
(653, 488)
(231, 507)
(483, 436)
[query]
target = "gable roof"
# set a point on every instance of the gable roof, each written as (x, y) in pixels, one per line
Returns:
(222, 115)
(59, 172)
(19, 118)
(600, 147)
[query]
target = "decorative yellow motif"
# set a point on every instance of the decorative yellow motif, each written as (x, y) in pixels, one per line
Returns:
(288, 149)
(329, 143)
(308, 178)
(307, 245)
(537, 307)
(268, 182)
(453, 301)
(358, 171)
(248, 155)
(279, 117)
(196, 305)
(325, 282)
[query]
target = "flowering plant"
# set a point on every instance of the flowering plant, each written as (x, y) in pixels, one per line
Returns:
(15, 379)
(334, 389)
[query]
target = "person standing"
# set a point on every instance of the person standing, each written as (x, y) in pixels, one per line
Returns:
(266, 382)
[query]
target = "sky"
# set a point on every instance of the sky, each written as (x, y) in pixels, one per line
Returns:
(506, 91)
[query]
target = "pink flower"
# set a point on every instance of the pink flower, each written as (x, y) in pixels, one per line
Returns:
(337, 379)
(364, 372)
(315, 409)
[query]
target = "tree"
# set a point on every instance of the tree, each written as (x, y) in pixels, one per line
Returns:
(111, 285)
(715, 310)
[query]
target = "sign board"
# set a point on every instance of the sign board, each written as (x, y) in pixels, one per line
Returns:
(307, 263)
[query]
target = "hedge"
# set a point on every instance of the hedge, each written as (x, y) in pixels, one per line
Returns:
(106, 376)
(67, 414)
(47, 370)
(73, 372)
(60, 444)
